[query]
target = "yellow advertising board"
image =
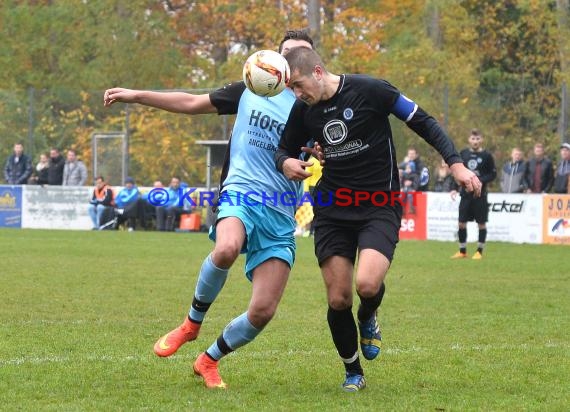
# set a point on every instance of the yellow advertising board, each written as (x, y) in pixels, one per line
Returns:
(556, 219)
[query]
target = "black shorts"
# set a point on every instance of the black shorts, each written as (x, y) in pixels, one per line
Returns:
(473, 208)
(339, 237)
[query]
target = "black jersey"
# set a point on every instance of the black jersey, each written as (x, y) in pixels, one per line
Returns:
(482, 164)
(354, 131)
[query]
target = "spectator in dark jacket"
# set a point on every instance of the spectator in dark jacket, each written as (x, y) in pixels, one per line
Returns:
(539, 172)
(55, 169)
(40, 176)
(444, 181)
(413, 160)
(130, 205)
(18, 167)
(562, 176)
(513, 173)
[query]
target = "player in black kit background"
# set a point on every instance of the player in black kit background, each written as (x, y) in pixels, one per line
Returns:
(348, 115)
(481, 162)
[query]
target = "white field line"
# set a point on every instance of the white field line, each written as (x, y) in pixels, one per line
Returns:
(34, 360)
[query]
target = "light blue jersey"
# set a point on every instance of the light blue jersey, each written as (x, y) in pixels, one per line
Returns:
(256, 133)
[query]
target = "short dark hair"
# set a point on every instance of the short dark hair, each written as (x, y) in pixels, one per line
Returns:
(301, 34)
(304, 60)
(475, 132)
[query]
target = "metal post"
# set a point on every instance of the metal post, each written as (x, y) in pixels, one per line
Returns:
(445, 107)
(563, 125)
(209, 168)
(126, 158)
(31, 91)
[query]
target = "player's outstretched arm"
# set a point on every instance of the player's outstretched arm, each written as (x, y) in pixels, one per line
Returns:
(466, 178)
(176, 102)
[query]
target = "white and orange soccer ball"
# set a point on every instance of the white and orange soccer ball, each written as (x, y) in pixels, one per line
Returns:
(266, 73)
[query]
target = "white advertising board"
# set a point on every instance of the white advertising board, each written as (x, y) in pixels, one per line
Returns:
(56, 207)
(513, 217)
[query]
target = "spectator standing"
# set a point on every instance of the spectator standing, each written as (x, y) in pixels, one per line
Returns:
(55, 169)
(74, 171)
(101, 204)
(481, 162)
(410, 183)
(444, 181)
(539, 172)
(562, 179)
(513, 173)
(41, 173)
(18, 167)
(413, 160)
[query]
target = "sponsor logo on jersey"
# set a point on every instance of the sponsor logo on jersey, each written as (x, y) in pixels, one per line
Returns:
(335, 132)
(265, 122)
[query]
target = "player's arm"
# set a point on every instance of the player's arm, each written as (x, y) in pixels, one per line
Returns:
(429, 129)
(176, 102)
(489, 173)
(290, 147)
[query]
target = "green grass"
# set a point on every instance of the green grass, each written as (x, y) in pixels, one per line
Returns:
(80, 312)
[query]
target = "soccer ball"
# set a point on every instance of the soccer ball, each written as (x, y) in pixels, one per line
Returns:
(266, 73)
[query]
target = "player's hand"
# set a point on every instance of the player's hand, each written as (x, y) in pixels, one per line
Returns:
(453, 194)
(294, 169)
(118, 94)
(316, 151)
(466, 178)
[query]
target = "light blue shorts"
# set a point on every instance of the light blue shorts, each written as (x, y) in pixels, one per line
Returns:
(269, 233)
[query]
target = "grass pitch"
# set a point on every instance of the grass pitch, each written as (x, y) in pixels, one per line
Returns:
(80, 312)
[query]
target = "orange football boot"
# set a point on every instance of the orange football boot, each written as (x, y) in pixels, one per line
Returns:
(169, 343)
(207, 368)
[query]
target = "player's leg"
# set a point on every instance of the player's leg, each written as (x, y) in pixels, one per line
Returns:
(481, 217)
(230, 237)
(372, 269)
(377, 242)
(335, 248)
(464, 205)
(337, 275)
(269, 281)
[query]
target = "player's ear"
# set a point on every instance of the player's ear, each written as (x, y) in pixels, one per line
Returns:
(318, 72)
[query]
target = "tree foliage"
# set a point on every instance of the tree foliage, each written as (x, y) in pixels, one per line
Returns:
(491, 64)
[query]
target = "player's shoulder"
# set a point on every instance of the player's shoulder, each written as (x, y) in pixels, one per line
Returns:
(230, 90)
(226, 99)
(375, 90)
(366, 81)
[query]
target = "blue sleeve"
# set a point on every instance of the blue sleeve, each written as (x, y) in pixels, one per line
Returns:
(404, 108)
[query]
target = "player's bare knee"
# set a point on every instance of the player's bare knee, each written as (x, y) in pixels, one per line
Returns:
(261, 316)
(367, 289)
(225, 254)
(340, 302)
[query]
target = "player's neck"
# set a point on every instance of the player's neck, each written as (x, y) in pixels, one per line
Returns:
(332, 82)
